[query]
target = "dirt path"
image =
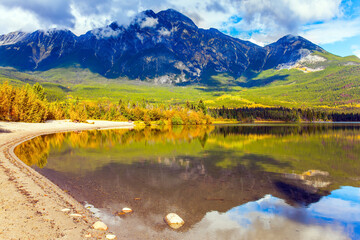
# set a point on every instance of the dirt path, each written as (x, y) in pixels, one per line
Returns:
(30, 205)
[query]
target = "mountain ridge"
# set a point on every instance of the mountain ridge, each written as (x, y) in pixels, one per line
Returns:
(166, 47)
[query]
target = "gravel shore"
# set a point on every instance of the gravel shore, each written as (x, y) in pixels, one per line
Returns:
(30, 205)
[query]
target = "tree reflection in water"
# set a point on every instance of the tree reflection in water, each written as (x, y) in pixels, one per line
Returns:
(194, 171)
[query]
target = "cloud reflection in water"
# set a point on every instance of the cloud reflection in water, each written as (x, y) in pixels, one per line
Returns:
(336, 216)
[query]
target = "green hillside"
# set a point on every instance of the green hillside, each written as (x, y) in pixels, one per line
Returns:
(335, 87)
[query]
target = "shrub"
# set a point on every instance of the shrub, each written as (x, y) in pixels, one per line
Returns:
(78, 113)
(147, 120)
(176, 120)
(160, 122)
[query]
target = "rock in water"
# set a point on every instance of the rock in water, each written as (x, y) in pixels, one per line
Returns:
(174, 221)
(127, 210)
(314, 172)
(100, 226)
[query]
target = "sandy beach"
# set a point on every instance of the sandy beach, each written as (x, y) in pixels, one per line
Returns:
(30, 205)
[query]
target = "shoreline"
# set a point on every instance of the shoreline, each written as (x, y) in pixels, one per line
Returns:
(30, 204)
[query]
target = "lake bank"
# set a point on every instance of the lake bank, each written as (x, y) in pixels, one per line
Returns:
(31, 204)
(205, 174)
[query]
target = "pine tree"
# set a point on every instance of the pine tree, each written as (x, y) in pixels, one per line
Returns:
(39, 91)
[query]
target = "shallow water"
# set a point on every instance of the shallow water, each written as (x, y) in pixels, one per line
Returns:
(226, 182)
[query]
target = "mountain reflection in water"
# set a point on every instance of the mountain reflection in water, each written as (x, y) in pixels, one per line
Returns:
(256, 181)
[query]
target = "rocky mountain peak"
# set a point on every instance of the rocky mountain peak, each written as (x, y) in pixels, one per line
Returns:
(12, 38)
(295, 42)
(163, 47)
(175, 17)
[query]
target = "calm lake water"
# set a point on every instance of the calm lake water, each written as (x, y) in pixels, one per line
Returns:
(226, 182)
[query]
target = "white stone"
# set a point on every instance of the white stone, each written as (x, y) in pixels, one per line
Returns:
(127, 210)
(110, 236)
(100, 226)
(174, 220)
(66, 210)
(75, 215)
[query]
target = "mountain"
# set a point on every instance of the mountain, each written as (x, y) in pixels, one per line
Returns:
(288, 50)
(165, 47)
(37, 50)
(166, 44)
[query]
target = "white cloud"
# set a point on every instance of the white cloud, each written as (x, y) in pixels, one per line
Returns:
(55, 12)
(17, 19)
(260, 21)
(206, 13)
(356, 50)
(149, 22)
(329, 208)
(288, 14)
(250, 222)
(86, 23)
(266, 21)
(332, 31)
(106, 32)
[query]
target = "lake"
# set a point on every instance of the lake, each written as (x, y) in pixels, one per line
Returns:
(271, 181)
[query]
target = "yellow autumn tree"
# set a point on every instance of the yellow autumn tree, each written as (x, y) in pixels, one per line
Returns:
(22, 104)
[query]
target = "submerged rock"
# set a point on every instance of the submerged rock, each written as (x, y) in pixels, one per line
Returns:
(100, 226)
(127, 210)
(174, 220)
(314, 172)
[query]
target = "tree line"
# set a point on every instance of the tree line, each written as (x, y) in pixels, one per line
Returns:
(25, 104)
(246, 114)
(29, 104)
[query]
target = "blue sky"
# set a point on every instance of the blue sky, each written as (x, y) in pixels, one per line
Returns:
(333, 24)
(346, 47)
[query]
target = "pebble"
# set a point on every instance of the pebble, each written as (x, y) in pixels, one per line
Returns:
(100, 226)
(110, 236)
(75, 215)
(174, 220)
(66, 210)
(127, 210)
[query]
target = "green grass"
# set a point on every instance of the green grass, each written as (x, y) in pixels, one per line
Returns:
(336, 87)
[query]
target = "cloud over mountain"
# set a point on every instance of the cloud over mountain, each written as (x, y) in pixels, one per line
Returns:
(260, 21)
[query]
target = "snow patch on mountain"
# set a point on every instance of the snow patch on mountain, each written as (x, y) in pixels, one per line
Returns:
(50, 32)
(164, 32)
(12, 38)
(149, 22)
(140, 37)
(307, 57)
(312, 58)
